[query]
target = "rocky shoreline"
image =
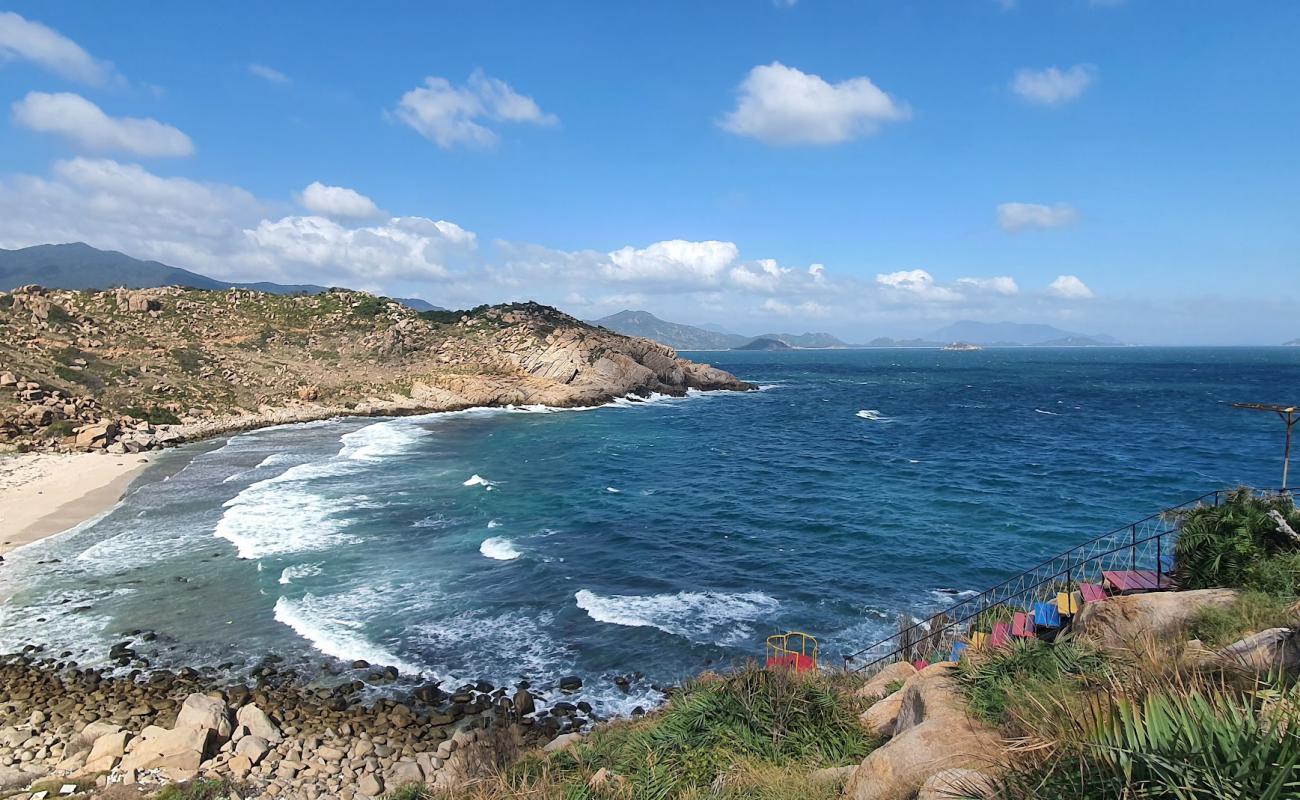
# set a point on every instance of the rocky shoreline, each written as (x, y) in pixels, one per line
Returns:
(279, 734)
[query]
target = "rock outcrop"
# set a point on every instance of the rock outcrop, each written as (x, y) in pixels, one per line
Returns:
(1129, 619)
(932, 733)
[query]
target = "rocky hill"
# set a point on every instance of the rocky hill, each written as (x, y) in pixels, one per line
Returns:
(128, 370)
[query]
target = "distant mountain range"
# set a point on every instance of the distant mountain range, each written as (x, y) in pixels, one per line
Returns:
(80, 266)
(1292, 343)
(1017, 333)
(712, 337)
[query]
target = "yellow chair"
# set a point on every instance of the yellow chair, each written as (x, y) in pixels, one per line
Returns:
(977, 640)
(1068, 602)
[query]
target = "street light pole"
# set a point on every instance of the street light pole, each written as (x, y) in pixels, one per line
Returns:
(1288, 415)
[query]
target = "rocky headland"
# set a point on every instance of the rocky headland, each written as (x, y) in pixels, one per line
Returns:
(129, 371)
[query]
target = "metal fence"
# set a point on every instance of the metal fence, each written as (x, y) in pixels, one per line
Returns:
(1145, 545)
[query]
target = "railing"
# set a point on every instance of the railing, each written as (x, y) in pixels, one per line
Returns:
(1142, 545)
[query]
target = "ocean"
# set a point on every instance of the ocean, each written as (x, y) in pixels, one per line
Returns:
(648, 539)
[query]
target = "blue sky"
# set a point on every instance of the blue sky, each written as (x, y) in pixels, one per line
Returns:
(1128, 167)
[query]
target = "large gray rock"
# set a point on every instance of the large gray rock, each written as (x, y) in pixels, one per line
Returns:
(105, 753)
(881, 716)
(258, 723)
(203, 711)
(932, 733)
(1273, 650)
(176, 753)
(878, 686)
(254, 748)
(1130, 619)
(951, 784)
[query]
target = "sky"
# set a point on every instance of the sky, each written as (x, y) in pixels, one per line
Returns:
(1127, 167)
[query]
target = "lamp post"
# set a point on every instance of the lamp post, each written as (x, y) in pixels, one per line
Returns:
(1288, 415)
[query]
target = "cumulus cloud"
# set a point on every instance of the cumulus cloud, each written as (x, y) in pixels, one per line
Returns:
(808, 308)
(403, 249)
(1001, 284)
(1052, 86)
(676, 262)
(268, 74)
(83, 123)
(24, 40)
(1015, 217)
(783, 106)
(1069, 287)
(451, 115)
(915, 284)
(337, 201)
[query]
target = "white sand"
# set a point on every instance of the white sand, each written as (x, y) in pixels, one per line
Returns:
(42, 494)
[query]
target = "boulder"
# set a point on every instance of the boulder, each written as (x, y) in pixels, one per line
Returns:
(254, 748)
(177, 753)
(830, 776)
(878, 686)
(1123, 621)
(208, 713)
(404, 773)
(932, 733)
(12, 778)
(524, 703)
(106, 752)
(951, 784)
(258, 723)
(8, 380)
(1273, 650)
(881, 716)
(562, 742)
(98, 434)
(370, 785)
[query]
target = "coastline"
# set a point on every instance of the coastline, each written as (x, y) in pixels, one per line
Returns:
(43, 494)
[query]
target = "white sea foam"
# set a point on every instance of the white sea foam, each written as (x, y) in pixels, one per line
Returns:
(382, 439)
(499, 548)
(296, 571)
(612, 490)
(1048, 413)
(478, 480)
(326, 623)
(702, 617)
(493, 524)
(872, 414)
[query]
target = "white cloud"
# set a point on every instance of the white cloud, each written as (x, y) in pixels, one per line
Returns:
(451, 115)
(1069, 287)
(783, 106)
(403, 249)
(269, 74)
(676, 262)
(24, 40)
(82, 122)
(1014, 217)
(915, 283)
(337, 201)
(1051, 86)
(1001, 284)
(807, 308)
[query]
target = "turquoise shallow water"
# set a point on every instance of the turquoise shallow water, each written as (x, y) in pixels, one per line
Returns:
(659, 537)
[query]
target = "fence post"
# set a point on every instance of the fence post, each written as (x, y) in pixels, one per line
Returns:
(1160, 562)
(1133, 547)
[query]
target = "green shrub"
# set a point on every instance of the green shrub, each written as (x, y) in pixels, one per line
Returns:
(190, 359)
(736, 735)
(61, 428)
(1171, 741)
(410, 791)
(999, 679)
(441, 317)
(1229, 545)
(156, 416)
(200, 789)
(1252, 612)
(369, 307)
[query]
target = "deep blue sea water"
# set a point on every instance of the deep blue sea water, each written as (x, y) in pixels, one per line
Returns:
(660, 537)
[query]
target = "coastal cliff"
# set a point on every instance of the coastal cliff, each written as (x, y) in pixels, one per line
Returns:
(136, 370)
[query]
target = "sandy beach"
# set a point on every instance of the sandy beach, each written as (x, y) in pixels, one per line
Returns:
(42, 494)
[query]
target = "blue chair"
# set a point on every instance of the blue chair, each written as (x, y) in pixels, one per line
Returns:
(1167, 563)
(958, 649)
(1047, 615)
